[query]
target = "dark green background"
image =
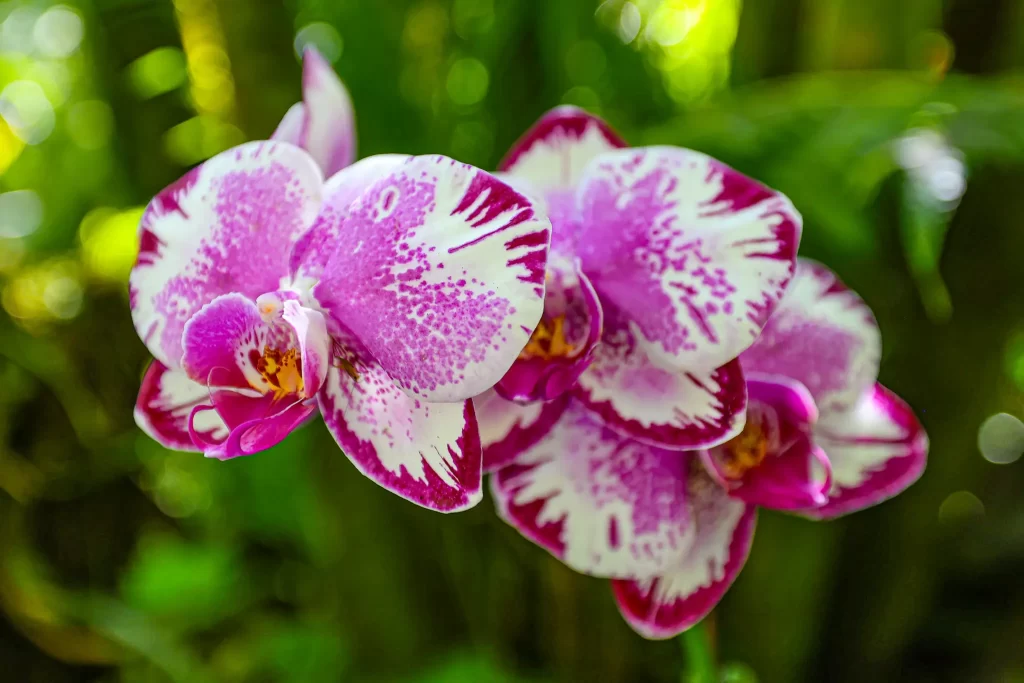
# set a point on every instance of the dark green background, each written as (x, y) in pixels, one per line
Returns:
(120, 561)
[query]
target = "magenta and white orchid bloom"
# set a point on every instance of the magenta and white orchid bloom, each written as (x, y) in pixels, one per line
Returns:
(672, 529)
(822, 436)
(679, 256)
(323, 124)
(384, 299)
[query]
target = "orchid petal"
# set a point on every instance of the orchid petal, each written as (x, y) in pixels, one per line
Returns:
(428, 453)
(792, 473)
(668, 604)
(824, 336)
(314, 344)
(602, 503)
(165, 401)
(699, 254)
(226, 226)
(268, 425)
(324, 122)
(877, 449)
(507, 429)
(312, 251)
(554, 152)
(670, 409)
(572, 310)
(441, 277)
(227, 336)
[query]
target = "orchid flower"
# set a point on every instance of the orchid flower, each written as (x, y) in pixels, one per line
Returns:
(323, 124)
(665, 264)
(383, 299)
(673, 529)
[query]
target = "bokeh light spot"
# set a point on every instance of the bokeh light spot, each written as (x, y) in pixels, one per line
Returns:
(960, 505)
(58, 32)
(323, 37)
(472, 17)
(1001, 439)
(629, 23)
(467, 81)
(17, 29)
(157, 72)
(199, 138)
(28, 112)
(110, 242)
(21, 212)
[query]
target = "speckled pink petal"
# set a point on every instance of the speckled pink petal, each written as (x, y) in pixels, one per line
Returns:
(672, 409)
(440, 276)
(822, 335)
(226, 226)
(226, 337)
(795, 474)
(314, 344)
(428, 453)
(553, 154)
(697, 253)
(162, 410)
(877, 449)
(666, 605)
(312, 251)
(571, 299)
(507, 429)
(324, 122)
(603, 504)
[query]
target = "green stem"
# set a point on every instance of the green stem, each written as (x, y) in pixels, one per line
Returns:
(699, 666)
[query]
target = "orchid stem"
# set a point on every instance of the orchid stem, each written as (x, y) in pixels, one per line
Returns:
(699, 666)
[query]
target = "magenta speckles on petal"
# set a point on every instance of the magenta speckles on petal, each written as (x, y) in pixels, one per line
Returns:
(162, 410)
(877, 449)
(670, 603)
(604, 504)
(440, 276)
(428, 453)
(312, 251)
(699, 254)
(824, 336)
(672, 409)
(227, 226)
(553, 154)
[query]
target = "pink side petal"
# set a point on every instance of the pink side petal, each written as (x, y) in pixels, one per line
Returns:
(794, 474)
(314, 344)
(877, 449)
(227, 336)
(269, 424)
(440, 276)
(507, 429)
(572, 298)
(312, 251)
(428, 453)
(697, 253)
(603, 504)
(226, 226)
(676, 410)
(824, 336)
(665, 606)
(330, 133)
(293, 125)
(162, 410)
(553, 154)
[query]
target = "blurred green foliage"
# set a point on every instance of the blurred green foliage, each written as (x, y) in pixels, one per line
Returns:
(120, 561)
